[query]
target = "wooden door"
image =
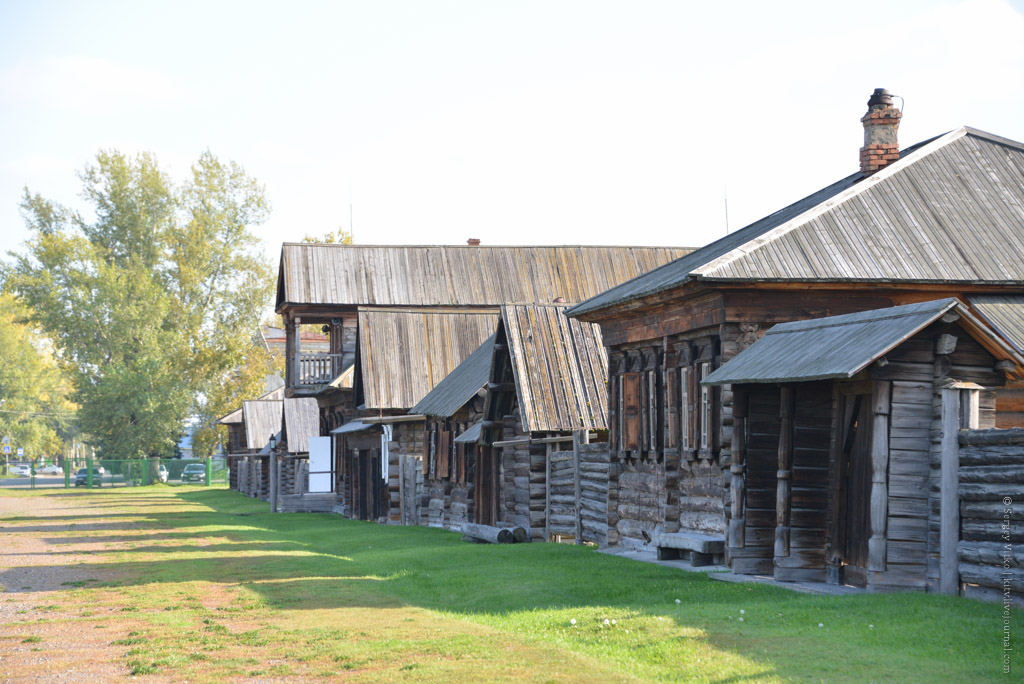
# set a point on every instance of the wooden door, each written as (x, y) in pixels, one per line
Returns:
(486, 486)
(854, 507)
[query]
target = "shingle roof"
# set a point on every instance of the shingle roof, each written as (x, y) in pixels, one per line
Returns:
(839, 347)
(301, 421)
(237, 416)
(382, 275)
(1005, 313)
(560, 367)
(950, 210)
(262, 419)
(459, 386)
(405, 353)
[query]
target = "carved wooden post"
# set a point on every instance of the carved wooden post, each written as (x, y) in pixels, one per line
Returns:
(785, 489)
(297, 351)
(737, 521)
(880, 405)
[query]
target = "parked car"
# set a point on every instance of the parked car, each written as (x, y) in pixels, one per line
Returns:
(82, 477)
(194, 472)
(21, 470)
(162, 473)
(50, 470)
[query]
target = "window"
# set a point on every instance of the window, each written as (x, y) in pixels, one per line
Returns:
(652, 410)
(630, 393)
(685, 408)
(706, 413)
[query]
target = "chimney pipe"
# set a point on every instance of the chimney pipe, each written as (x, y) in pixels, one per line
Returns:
(880, 125)
(473, 242)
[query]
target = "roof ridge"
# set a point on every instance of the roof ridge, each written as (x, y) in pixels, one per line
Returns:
(856, 189)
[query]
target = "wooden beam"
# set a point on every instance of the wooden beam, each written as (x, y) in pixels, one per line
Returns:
(577, 439)
(881, 405)
(411, 418)
(785, 486)
(737, 522)
(949, 504)
(501, 386)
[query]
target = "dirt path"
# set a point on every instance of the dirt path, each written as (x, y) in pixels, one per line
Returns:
(48, 631)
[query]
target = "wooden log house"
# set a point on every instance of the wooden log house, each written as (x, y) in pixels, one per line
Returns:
(237, 447)
(837, 435)
(939, 219)
(453, 408)
(398, 320)
(546, 392)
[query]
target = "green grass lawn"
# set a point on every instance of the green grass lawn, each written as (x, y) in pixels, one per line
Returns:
(203, 585)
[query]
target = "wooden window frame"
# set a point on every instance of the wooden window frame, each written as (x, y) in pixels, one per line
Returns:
(685, 409)
(706, 411)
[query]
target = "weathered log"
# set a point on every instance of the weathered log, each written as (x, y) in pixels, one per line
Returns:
(991, 455)
(978, 530)
(991, 510)
(991, 553)
(975, 491)
(992, 576)
(486, 533)
(993, 473)
(992, 437)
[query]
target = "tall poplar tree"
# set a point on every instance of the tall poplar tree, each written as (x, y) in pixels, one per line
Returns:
(152, 298)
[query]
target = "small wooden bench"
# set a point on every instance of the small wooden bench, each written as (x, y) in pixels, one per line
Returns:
(703, 549)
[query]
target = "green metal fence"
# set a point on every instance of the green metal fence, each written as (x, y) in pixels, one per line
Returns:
(102, 473)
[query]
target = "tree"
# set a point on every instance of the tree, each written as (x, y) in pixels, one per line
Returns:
(150, 302)
(35, 411)
(227, 393)
(335, 237)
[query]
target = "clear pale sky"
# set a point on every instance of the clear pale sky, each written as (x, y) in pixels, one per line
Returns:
(551, 122)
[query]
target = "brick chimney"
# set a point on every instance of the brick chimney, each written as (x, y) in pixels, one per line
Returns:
(473, 242)
(880, 125)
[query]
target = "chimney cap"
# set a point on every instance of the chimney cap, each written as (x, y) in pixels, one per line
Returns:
(473, 242)
(881, 96)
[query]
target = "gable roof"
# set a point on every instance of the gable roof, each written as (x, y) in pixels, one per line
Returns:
(301, 421)
(560, 367)
(405, 353)
(1005, 313)
(839, 347)
(237, 416)
(262, 419)
(951, 209)
(459, 386)
(382, 275)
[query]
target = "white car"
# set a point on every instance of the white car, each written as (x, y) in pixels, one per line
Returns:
(162, 473)
(50, 470)
(21, 470)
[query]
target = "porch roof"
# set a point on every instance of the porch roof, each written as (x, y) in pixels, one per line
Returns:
(459, 386)
(262, 419)
(470, 436)
(839, 347)
(353, 426)
(1005, 313)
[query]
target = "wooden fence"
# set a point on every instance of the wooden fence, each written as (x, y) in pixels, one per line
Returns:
(577, 497)
(991, 494)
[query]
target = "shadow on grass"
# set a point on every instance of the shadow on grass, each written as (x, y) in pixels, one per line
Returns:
(319, 561)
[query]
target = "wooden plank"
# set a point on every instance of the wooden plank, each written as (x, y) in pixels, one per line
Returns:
(881, 408)
(949, 578)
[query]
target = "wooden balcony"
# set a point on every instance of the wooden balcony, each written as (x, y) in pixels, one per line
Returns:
(317, 369)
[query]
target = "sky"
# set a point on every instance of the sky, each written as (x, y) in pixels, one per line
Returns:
(553, 122)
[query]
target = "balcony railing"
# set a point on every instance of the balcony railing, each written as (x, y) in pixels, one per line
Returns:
(318, 369)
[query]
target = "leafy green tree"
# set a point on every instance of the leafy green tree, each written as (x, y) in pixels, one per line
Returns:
(334, 237)
(34, 408)
(226, 393)
(150, 301)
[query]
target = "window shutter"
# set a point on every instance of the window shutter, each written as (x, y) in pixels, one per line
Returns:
(705, 409)
(444, 454)
(426, 451)
(691, 407)
(671, 416)
(631, 410)
(613, 410)
(652, 410)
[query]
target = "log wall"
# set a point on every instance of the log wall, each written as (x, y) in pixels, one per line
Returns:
(991, 492)
(592, 504)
